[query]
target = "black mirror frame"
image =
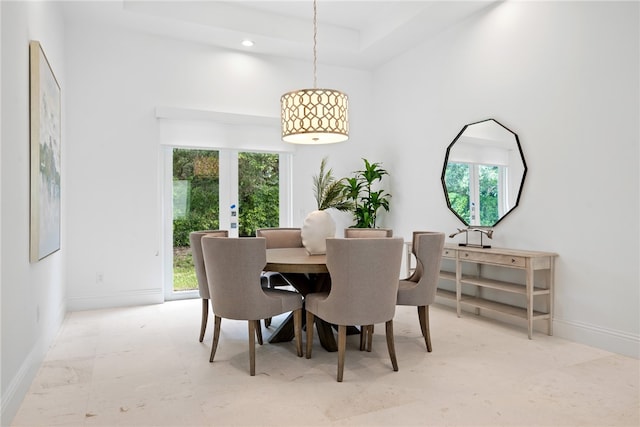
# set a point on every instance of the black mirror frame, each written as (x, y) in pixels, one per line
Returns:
(446, 160)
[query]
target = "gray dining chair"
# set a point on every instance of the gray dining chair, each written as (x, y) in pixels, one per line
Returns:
(233, 267)
(364, 285)
(201, 275)
(419, 289)
(366, 331)
(278, 237)
(368, 233)
(281, 237)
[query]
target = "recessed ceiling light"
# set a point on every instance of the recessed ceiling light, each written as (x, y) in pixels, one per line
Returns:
(247, 43)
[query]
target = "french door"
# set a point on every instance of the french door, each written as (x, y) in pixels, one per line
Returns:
(224, 189)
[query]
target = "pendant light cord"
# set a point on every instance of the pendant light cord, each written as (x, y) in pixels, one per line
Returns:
(315, 43)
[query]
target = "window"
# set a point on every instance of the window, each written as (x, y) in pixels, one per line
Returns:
(477, 192)
(240, 190)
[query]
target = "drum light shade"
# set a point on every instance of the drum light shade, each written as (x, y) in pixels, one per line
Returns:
(315, 116)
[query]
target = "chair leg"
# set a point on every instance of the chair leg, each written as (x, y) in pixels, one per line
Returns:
(205, 316)
(366, 337)
(258, 329)
(423, 316)
(297, 330)
(309, 326)
(391, 345)
(342, 346)
(267, 284)
(252, 348)
(216, 336)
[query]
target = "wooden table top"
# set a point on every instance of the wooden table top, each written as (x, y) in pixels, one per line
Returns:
(295, 260)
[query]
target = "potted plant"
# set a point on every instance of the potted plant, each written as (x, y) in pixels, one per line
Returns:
(365, 200)
(318, 225)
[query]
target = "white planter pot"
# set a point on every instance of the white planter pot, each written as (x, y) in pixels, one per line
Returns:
(318, 225)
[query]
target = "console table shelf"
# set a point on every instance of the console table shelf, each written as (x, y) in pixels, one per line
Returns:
(448, 275)
(536, 285)
(500, 285)
(501, 308)
(446, 294)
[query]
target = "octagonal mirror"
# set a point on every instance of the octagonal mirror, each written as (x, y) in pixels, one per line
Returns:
(483, 173)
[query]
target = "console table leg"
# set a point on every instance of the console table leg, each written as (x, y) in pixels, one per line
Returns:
(550, 284)
(530, 301)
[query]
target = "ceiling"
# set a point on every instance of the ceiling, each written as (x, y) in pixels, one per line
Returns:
(361, 34)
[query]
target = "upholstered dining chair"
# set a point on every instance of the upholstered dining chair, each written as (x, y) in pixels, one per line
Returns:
(278, 237)
(233, 267)
(364, 285)
(281, 237)
(366, 331)
(201, 275)
(419, 289)
(367, 233)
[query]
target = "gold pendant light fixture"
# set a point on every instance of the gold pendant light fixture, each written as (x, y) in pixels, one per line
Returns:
(315, 116)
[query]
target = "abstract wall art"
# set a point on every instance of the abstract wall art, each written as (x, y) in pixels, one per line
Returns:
(45, 141)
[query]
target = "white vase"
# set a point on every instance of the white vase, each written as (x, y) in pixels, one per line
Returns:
(318, 225)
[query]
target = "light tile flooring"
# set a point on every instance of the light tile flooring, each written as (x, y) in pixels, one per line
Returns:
(144, 366)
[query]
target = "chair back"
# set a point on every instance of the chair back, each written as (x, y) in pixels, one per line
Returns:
(195, 238)
(364, 280)
(427, 248)
(367, 233)
(233, 267)
(281, 237)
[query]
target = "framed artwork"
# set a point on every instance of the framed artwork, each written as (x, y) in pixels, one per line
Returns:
(45, 129)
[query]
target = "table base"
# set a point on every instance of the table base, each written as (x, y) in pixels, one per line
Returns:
(307, 284)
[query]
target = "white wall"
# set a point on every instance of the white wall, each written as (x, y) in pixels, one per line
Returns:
(116, 79)
(565, 77)
(33, 295)
(1, 180)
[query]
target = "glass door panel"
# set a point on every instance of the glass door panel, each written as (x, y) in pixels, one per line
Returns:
(258, 192)
(196, 182)
(489, 191)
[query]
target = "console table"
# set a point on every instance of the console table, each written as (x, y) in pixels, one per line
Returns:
(534, 283)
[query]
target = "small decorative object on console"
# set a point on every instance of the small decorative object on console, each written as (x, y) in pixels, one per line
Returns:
(483, 231)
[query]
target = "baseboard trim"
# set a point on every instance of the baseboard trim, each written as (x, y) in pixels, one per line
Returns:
(596, 336)
(122, 299)
(19, 385)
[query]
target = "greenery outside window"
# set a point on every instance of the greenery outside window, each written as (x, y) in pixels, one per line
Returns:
(477, 192)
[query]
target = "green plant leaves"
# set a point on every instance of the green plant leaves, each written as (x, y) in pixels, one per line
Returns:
(328, 191)
(366, 200)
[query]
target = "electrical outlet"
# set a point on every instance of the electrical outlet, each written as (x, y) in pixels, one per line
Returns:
(99, 277)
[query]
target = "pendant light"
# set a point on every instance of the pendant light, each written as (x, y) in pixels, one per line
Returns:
(314, 116)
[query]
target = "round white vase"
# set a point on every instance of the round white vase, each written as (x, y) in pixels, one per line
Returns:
(317, 226)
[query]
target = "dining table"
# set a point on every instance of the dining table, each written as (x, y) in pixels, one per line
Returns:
(307, 273)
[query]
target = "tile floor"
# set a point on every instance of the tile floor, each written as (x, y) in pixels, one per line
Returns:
(144, 366)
